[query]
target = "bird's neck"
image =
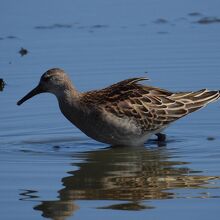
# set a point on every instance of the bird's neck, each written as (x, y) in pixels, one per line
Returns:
(71, 107)
(69, 96)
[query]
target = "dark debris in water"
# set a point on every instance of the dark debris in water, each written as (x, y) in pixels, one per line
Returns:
(162, 32)
(99, 26)
(10, 37)
(208, 20)
(195, 14)
(23, 51)
(56, 147)
(2, 84)
(161, 21)
(54, 26)
(210, 138)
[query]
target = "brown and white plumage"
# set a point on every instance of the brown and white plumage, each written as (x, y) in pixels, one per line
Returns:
(152, 108)
(125, 113)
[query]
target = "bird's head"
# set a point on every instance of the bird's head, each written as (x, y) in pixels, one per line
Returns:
(54, 81)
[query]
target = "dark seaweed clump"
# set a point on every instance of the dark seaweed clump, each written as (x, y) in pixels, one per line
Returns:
(2, 84)
(210, 138)
(11, 37)
(208, 20)
(194, 14)
(100, 26)
(54, 26)
(161, 21)
(23, 51)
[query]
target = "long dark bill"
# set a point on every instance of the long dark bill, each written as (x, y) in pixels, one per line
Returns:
(35, 91)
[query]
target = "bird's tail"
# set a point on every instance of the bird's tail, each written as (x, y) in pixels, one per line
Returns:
(196, 100)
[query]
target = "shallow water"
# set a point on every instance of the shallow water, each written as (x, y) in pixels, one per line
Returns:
(49, 169)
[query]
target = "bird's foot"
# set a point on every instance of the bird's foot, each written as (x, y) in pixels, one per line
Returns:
(161, 137)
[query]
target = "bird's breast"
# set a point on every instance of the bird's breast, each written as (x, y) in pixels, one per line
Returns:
(100, 125)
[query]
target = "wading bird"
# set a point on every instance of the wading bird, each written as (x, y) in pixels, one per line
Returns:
(126, 113)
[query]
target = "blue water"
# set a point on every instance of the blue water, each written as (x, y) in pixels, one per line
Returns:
(48, 168)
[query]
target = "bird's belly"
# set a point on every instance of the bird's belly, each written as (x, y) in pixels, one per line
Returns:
(132, 140)
(116, 131)
(116, 137)
(108, 128)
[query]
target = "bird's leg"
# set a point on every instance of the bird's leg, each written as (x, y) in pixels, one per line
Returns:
(161, 137)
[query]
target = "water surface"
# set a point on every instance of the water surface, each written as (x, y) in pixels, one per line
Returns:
(49, 169)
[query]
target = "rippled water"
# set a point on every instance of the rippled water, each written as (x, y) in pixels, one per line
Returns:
(49, 169)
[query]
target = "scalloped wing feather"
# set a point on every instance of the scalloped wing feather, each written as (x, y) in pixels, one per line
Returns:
(151, 108)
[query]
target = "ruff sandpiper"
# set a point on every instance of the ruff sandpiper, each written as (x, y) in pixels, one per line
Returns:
(125, 113)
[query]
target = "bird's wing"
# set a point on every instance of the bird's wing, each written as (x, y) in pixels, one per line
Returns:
(151, 108)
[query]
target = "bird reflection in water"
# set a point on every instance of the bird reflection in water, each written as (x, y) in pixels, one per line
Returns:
(133, 175)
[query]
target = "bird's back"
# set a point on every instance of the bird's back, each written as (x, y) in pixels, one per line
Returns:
(150, 107)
